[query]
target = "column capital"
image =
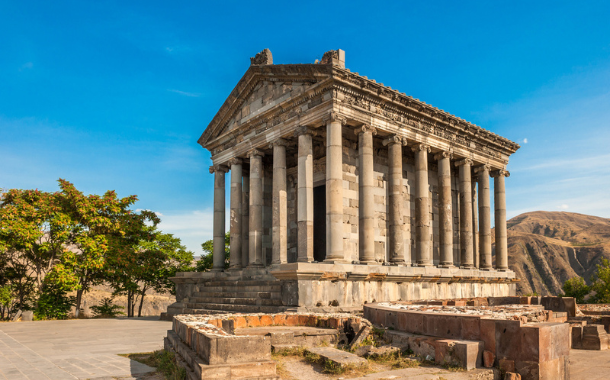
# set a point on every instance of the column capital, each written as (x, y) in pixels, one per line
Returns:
(420, 147)
(255, 152)
(235, 161)
(279, 142)
(443, 154)
(481, 169)
(464, 161)
(304, 130)
(334, 117)
(365, 128)
(395, 139)
(500, 173)
(219, 168)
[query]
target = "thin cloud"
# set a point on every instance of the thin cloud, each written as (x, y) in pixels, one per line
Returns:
(191, 94)
(26, 66)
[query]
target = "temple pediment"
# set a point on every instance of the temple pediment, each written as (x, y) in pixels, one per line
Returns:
(262, 88)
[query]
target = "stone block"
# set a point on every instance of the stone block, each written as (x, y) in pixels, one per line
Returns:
(512, 376)
(488, 359)
(506, 365)
(594, 338)
(508, 339)
(488, 334)
(266, 320)
(471, 329)
(253, 321)
(576, 336)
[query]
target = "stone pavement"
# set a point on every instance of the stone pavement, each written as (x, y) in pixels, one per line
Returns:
(77, 349)
(589, 365)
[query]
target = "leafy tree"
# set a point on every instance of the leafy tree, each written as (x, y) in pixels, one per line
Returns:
(577, 288)
(601, 282)
(206, 261)
(148, 264)
(89, 220)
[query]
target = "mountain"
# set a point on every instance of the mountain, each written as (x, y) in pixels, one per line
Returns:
(547, 248)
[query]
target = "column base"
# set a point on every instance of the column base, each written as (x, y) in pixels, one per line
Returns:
(446, 266)
(471, 266)
(337, 261)
(486, 269)
(424, 264)
(255, 266)
(217, 270)
(502, 269)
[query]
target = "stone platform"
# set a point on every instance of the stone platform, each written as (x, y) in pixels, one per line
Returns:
(323, 287)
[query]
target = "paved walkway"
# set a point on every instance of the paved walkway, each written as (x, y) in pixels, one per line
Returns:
(77, 349)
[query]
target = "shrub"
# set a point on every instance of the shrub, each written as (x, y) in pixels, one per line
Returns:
(53, 303)
(601, 282)
(576, 287)
(106, 309)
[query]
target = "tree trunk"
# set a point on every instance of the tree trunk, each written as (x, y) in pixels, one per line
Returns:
(129, 304)
(79, 297)
(141, 301)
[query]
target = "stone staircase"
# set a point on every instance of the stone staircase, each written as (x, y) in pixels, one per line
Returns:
(236, 296)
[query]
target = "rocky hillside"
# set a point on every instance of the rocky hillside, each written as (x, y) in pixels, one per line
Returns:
(547, 248)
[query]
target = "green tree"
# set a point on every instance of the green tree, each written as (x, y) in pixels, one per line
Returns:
(148, 264)
(206, 261)
(89, 221)
(577, 288)
(601, 282)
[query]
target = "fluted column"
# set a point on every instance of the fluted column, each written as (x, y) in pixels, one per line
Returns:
(395, 217)
(280, 217)
(423, 241)
(445, 209)
(235, 220)
(500, 216)
(366, 217)
(475, 223)
(256, 208)
(218, 244)
(305, 195)
(245, 219)
(334, 188)
(484, 217)
(466, 238)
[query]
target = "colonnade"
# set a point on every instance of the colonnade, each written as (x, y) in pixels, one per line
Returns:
(246, 203)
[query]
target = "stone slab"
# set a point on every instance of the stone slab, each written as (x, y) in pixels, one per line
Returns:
(342, 358)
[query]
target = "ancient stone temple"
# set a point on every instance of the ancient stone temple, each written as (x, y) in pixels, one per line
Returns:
(344, 191)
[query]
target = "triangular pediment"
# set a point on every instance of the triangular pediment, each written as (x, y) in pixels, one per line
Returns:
(262, 88)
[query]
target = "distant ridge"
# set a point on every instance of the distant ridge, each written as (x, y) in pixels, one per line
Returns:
(546, 248)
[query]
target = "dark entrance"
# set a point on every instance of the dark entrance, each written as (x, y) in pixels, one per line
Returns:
(319, 223)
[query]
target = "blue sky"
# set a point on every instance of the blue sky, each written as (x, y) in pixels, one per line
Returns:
(113, 95)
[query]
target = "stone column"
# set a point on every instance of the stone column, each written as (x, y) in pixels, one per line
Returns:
(334, 188)
(445, 211)
(218, 250)
(245, 219)
(500, 216)
(484, 217)
(256, 209)
(305, 195)
(280, 211)
(466, 243)
(423, 241)
(475, 223)
(366, 212)
(395, 217)
(236, 215)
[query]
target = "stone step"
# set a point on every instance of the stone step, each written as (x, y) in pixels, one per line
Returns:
(339, 357)
(240, 282)
(264, 295)
(241, 288)
(283, 347)
(237, 301)
(204, 308)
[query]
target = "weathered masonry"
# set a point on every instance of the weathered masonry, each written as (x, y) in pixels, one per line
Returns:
(346, 192)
